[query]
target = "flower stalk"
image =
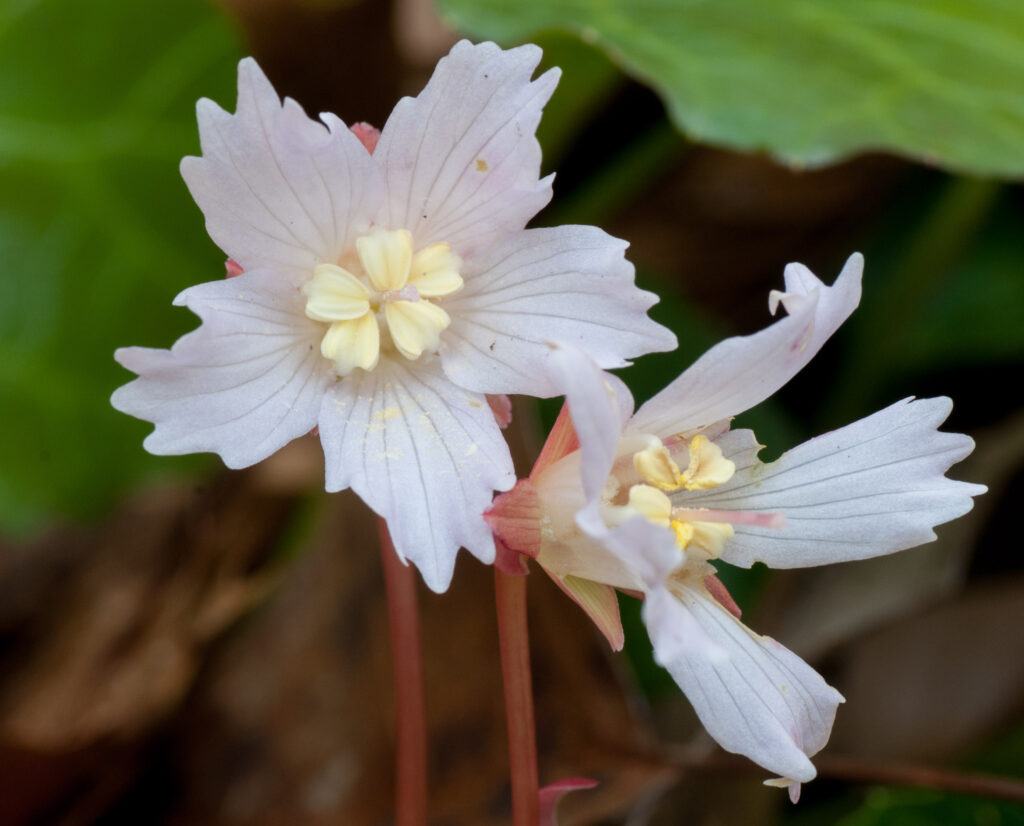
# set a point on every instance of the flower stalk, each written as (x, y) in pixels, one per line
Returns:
(410, 706)
(514, 640)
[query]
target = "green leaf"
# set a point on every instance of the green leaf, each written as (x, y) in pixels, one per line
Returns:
(811, 82)
(97, 231)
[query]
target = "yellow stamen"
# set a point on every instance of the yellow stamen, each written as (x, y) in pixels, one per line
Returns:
(415, 326)
(655, 466)
(386, 256)
(434, 271)
(334, 294)
(390, 281)
(683, 531)
(650, 503)
(352, 344)
(708, 468)
(710, 536)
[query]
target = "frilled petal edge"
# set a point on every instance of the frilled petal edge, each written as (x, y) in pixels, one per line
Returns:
(873, 487)
(278, 189)
(424, 454)
(461, 161)
(570, 284)
(242, 385)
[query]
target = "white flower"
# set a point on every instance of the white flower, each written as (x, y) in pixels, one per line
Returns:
(649, 501)
(383, 295)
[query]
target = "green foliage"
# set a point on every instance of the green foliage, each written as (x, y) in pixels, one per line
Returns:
(97, 230)
(886, 806)
(810, 82)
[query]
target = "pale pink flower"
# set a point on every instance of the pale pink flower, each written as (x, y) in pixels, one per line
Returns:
(650, 501)
(382, 296)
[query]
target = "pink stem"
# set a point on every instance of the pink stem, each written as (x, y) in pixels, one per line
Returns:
(410, 707)
(514, 639)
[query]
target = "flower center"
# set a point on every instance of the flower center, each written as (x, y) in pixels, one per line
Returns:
(384, 285)
(707, 469)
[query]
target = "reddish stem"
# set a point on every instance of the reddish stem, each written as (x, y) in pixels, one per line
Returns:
(513, 636)
(410, 708)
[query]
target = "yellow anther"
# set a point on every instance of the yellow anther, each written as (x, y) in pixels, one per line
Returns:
(656, 507)
(710, 537)
(684, 532)
(400, 286)
(650, 503)
(415, 326)
(334, 294)
(386, 256)
(655, 466)
(434, 271)
(352, 344)
(708, 468)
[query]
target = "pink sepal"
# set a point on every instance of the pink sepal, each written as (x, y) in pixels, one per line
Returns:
(501, 407)
(515, 519)
(561, 441)
(722, 596)
(368, 135)
(602, 608)
(551, 794)
(232, 268)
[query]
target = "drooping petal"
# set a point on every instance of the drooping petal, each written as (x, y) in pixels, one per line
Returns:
(421, 452)
(598, 409)
(569, 284)
(754, 696)
(278, 189)
(244, 384)
(461, 160)
(647, 550)
(740, 372)
(651, 554)
(870, 488)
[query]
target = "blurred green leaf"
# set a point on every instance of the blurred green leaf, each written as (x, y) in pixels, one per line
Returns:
(809, 81)
(979, 315)
(588, 78)
(97, 230)
(926, 807)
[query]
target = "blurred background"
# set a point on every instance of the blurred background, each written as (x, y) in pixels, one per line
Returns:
(180, 644)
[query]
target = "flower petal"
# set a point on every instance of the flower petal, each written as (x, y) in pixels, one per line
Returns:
(278, 189)
(245, 383)
(599, 405)
(424, 454)
(570, 284)
(754, 696)
(740, 372)
(461, 160)
(870, 488)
